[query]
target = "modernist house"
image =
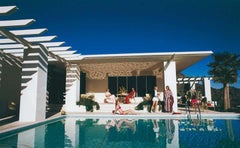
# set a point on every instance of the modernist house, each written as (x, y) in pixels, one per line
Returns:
(35, 69)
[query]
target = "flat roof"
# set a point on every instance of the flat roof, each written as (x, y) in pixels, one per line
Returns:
(183, 59)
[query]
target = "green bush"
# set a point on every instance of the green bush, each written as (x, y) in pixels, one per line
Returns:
(89, 102)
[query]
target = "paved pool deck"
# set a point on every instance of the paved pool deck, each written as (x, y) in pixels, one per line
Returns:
(181, 114)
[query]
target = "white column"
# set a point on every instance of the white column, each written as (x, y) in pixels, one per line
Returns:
(72, 132)
(72, 88)
(32, 138)
(26, 138)
(33, 85)
(170, 79)
(175, 140)
(207, 89)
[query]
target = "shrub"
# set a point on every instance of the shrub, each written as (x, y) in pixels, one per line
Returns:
(88, 101)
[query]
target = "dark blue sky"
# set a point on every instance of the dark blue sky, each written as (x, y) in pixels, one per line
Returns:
(138, 26)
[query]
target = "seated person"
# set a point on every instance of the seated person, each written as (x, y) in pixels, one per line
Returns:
(147, 97)
(147, 101)
(119, 110)
(130, 96)
(109, 97)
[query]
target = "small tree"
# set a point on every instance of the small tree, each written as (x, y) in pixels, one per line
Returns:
(224, 69)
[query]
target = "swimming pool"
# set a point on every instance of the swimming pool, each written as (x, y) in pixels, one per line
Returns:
(114, 132)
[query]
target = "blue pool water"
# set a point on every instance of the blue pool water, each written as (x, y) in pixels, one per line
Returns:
(121, 132)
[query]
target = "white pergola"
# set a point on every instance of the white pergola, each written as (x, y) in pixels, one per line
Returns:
(196, 80)
(34, 51)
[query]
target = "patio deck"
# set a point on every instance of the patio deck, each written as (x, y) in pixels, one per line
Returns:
(106, 111)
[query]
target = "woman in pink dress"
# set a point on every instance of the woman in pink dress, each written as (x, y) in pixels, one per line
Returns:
(168, 100)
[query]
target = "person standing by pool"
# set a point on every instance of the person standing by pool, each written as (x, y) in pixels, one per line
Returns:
(155, 99)
(156, 129)
(168, 99)
(161, 102)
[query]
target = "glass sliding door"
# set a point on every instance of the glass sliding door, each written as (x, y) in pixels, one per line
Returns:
(113, 85)
(132, 83)
(151, 82)
(122, 82)
(142, 84)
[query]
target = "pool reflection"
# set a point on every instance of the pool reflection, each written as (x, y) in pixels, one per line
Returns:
(164, 132)
(118, 132)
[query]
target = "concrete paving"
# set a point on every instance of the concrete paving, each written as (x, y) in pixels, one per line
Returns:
(181, 113)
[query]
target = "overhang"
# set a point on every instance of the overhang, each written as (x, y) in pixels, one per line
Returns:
(126, 64)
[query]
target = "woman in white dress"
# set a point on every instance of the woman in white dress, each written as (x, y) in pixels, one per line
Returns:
(109, 97)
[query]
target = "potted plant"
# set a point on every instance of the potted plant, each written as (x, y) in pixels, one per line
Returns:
(88, 101)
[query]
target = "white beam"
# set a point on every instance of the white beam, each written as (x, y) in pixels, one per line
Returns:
(52, 44)
(29, 31)
(69, 52)
(59, 48)
(13, 23)
(8, 46)
(29, 39)
(69, 56)
(13, 50)
(17, 54)
(40, 39)
(6, 41)
(7, 9)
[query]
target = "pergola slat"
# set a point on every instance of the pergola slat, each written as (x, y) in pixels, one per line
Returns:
(7, 9)
(6, 41)
(30, 39)
(14, 23)
(29, 31)
(13, 50)
(64, 52)
(52, 44)
(69, 56)
(9, 46)
(59, 48)
(40, 39)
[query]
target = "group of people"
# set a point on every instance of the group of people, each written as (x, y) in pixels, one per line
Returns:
(162, 130)
(121, 124)
(111, 98)
(165, 100)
